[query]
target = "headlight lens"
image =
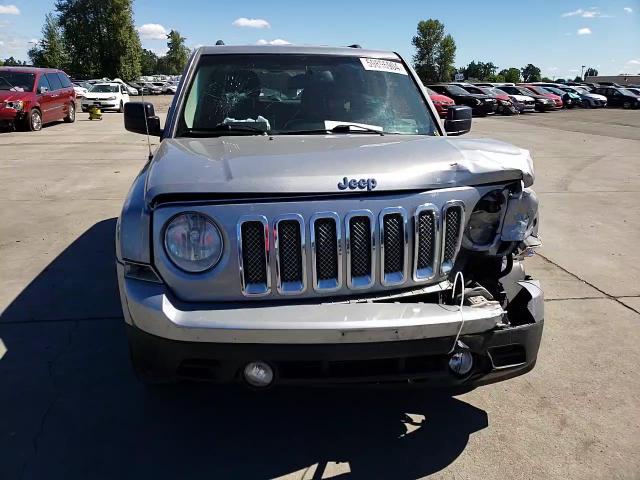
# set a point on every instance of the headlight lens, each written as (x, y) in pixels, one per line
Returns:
(110, 98)
(193, 242)
(15, 104)
(478, 101)
(484, 222)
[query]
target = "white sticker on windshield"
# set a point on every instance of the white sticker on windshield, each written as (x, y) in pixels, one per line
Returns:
(378, 65)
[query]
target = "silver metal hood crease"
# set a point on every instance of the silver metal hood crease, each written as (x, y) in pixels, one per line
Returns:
(301, 164)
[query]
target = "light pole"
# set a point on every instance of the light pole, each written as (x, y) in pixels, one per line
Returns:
(582, 74)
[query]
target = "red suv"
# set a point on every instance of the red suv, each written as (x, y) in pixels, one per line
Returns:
(31, 97)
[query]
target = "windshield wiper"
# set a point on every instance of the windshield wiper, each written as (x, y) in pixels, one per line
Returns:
(342, 128)
(223, 128)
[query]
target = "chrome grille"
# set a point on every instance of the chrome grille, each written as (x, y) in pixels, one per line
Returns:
(290, 254)
(253, 255)
(436, 237)
(453, 220)
(394, 246)
(360, 249)
(425, 241)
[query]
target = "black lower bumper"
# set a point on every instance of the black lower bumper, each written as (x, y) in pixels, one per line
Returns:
(498, 355)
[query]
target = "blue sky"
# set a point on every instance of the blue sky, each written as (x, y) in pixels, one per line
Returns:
(558, 36)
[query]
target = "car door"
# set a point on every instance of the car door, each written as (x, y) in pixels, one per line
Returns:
(46, 99)
(125, 94)
(57, 96)
(67, 94)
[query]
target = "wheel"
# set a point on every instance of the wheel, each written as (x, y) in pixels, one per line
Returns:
(626, 105)
(121, 108)
(71, 113)
(34, 120)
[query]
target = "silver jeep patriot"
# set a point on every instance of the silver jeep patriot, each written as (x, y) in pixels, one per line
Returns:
(308, 219)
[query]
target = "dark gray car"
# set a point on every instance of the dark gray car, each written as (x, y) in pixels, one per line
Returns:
(306, 218)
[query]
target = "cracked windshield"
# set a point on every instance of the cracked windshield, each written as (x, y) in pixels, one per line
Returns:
(289, 94)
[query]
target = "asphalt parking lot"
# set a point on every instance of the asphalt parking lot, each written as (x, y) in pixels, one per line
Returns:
(71, 408)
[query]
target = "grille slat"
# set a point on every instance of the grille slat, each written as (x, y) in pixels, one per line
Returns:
(290, 251)
(360, 235)
(254, 256)
(452, 234)
(426, 240)
(326, 249)
(393, 243)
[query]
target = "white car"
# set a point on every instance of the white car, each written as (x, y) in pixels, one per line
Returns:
(130, 90)
(80, 91)
(106, 96)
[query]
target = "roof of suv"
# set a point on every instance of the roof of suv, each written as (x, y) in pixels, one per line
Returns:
(30, 69)
(297, 49)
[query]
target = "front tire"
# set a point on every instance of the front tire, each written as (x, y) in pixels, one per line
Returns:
(71, 113)
(33, 121)
(626, 105)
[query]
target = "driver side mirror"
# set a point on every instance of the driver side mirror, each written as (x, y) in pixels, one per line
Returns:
(458, 121)
(138, 116)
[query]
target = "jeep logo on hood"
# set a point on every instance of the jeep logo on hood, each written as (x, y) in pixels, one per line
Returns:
(362, 184)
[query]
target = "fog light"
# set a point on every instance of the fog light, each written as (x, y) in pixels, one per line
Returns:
(461, 362)
(258, 374)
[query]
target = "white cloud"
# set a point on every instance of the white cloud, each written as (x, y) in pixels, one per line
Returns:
(153, 31)
(584, 31)
(9, 10)
(591, 12)
(633, 62)
(277, 41)
(628, 9)
(552, 69)
(251, 23)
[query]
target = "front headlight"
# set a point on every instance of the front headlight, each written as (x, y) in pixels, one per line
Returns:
(193, 242)
(478, 101)
(484, 222)
(17, 105)
(110, 98)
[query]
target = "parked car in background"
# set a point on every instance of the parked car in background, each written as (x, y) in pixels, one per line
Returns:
(525, 102)
(31, 97)
(619, 97)
(587, 99)
(635, 90)
(130, 90)
(569, 99)
(80, 90)
(557, 99)
(542, 103)
(481, 105)
(505, 105)
(106, 96)
(142, 90)
(151, 89)
(441, 102)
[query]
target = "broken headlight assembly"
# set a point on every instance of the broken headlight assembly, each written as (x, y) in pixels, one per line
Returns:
(483, 226)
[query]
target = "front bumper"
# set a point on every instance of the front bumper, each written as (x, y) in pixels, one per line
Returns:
(104, 105)
(326, 343)
(9, 115)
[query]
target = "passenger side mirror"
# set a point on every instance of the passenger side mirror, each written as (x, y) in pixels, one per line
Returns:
(458, 121)
(135, 114)
(42, 90)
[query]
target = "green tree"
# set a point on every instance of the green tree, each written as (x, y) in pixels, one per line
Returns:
(178, 54)
(531, 73)
(12, 62)
(547, 80)
(148, 63)
(511, 75)
(100, 37)
(480, 70)
(496, 78)
(435, 52)
(50, 52)
(590, 72)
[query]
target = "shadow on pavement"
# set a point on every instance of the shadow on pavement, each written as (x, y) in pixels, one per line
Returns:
(71, 408)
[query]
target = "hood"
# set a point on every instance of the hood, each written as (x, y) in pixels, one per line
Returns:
(522, 98)
(441, 98)
(318, 163)
(8, 95)
(99, 95)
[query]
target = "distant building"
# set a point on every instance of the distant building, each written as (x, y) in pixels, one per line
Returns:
(621, 79)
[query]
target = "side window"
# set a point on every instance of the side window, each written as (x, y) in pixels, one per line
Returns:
(54, 81)
(64, 80)
(43, 82)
